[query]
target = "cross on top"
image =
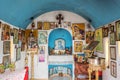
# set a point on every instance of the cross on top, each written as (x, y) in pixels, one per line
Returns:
(59, 17)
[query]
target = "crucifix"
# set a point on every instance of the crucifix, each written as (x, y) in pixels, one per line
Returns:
(59, 17)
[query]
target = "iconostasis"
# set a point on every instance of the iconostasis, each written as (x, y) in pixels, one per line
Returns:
(59, 42)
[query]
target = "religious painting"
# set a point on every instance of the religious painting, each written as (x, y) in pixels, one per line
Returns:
(78, 46)
(6, 32)
(2, 36)
(52, 25)
(0, 24)
(111, 28)
(42, 37)
(19, 38)
(23, 41)
(39, 25)
(20, 35)
(113, 53)
(88, 50)
(18, 54)
(15, 37)
(99, 37)
(59, 48)
(59, 44)
(117, 24)
(41, 54)
(46, 25)
(112, 38)
(79, 57)
(6, 61)
(105, 31)
(80, 71)
(23, 46)
(60, 71)
(78, 31)
(11, 31)
(6, 47)
(113, 69)
(89, 36)
(66, 24)
(102, 63)
(31, 38)
(1, 31)
(92, 46)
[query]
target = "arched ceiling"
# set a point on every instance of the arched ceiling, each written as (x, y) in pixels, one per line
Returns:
(97, 12)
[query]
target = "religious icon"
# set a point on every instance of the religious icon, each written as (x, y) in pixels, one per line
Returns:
(31, 38)
(23, 35)
(113, 69)
(15, 37)
(117, 24)
(41, 54)
(89, 36)
(42, 37)
(6, 32)
(78, 31)
(20, 34)
(12, 32)
(23, 41)
(102, 63)
(111, 28)
(60, 44)
(0, 24)
(79, 57)
(52, 25)
(78, 46)
(32, 42)
(113, 53)
(66, 24)
(92, 45)
(6, 47)
(6, 61)
(105, 31)
(39, 25)
(99, 37)
(46, 25)
(112, 38)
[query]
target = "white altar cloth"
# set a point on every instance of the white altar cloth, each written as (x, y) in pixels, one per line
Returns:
(15, 75)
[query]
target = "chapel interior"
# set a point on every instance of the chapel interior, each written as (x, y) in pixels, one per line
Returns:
(59, 40)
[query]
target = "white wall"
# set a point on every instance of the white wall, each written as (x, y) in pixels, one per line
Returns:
(20, 63)
(106, 54)
(41, 69)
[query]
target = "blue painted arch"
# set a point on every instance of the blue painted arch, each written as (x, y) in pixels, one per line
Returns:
(60, 33)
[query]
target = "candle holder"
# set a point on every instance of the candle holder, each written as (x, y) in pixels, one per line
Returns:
(95, 65)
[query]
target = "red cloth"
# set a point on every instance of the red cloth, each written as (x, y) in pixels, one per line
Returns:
(26, 74)
(100, 73)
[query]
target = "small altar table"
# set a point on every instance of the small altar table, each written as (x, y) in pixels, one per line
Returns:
(15, 75)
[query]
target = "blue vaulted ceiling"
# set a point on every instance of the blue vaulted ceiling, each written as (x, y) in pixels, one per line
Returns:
(97, 12)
